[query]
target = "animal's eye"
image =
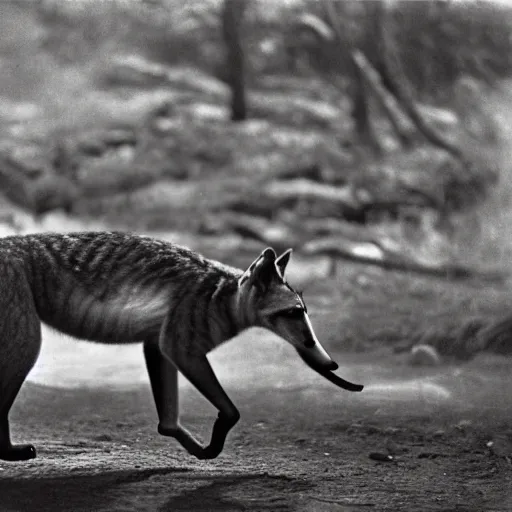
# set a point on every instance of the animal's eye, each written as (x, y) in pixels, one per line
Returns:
(294, 312)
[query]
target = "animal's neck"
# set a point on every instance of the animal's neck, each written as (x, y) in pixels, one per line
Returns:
(243, 309)
(224, 321)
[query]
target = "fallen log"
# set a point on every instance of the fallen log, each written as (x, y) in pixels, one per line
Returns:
(372, 252)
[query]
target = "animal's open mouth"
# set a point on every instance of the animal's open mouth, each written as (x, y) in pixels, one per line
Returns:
(317, 359)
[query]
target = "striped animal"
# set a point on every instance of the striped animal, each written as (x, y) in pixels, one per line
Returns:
(112, 287)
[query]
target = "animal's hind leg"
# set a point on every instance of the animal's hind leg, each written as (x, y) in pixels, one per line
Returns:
(13, 452)
(20, 341)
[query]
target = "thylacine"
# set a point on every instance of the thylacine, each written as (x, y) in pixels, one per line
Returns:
(120, 288)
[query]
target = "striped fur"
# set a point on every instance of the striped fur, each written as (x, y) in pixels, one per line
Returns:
(117, 288)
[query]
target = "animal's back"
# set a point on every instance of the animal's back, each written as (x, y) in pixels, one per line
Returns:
(105, 286)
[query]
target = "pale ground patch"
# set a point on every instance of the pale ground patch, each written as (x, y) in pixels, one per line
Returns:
(257, 360)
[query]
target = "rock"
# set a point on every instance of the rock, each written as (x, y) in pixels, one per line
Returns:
(381, 457)
(393, 448)
(501, 446)
(424, 355)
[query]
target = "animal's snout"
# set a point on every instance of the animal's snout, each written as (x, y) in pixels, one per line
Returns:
(316, 354)
(333, 366)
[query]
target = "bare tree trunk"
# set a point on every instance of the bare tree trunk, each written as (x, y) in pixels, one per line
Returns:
(333, 41)
(232, 17)
(360, 109)
(357, 89)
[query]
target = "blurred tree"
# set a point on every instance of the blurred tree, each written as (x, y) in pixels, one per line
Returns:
(232, 17)
(357, 89)
(380, 54)
(329, 51)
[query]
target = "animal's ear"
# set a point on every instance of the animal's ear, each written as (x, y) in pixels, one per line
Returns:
(283, 260)
(262, 270)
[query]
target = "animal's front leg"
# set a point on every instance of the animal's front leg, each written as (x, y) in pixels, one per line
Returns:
(164, 383)
(163, 376)
(198, 371)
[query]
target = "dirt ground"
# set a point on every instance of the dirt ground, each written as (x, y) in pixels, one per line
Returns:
(302, 444)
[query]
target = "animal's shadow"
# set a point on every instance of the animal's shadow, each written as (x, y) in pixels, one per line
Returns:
(158, 489)
(73, 492)
(257, 492)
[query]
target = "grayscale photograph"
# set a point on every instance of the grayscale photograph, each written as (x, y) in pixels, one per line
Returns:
(256, 255)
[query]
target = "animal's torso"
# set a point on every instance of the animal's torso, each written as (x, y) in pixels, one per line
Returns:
(111, 287)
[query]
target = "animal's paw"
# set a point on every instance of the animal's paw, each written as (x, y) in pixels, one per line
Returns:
(18, 452)
(208, 453)
(186, 440)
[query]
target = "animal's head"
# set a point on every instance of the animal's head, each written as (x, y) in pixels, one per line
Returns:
(265, 299)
